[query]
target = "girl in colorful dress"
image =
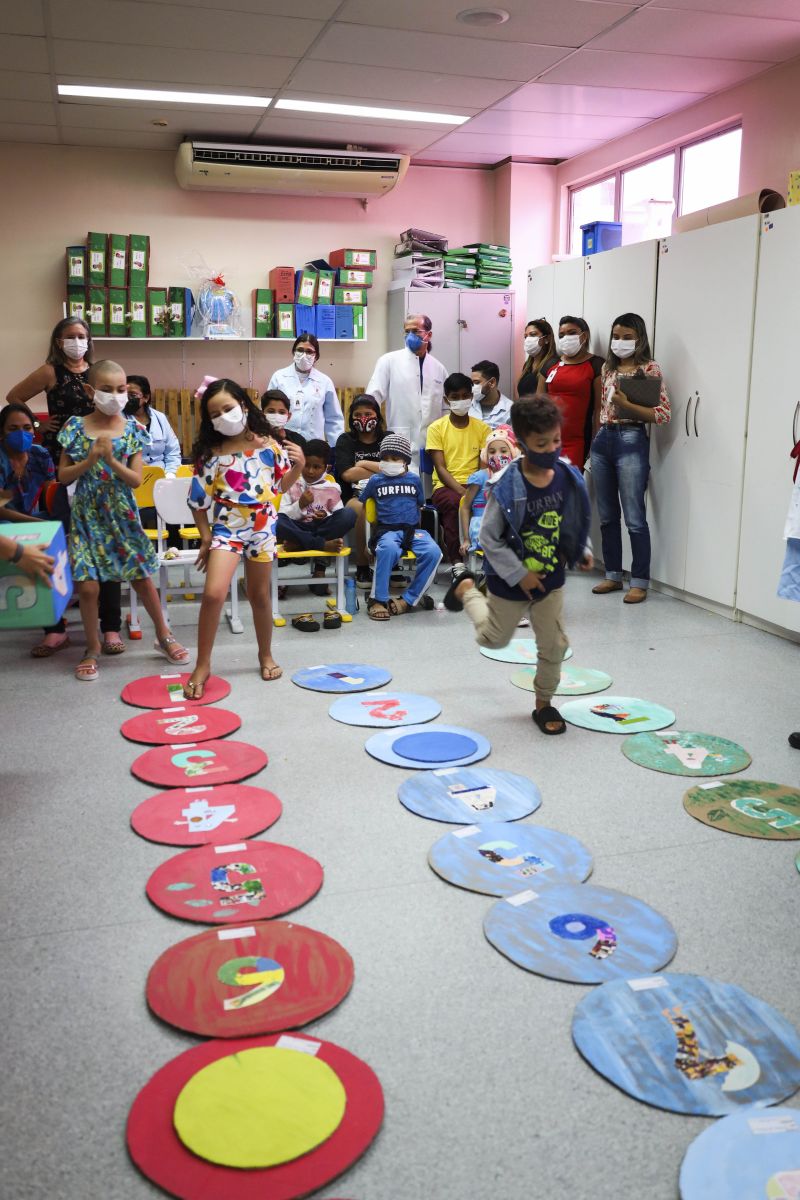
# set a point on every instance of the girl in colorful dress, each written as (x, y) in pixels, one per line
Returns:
(499, 450)
(238, 465)
(102, 452)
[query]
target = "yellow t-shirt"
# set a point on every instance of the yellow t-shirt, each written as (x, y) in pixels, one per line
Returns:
(461, 447)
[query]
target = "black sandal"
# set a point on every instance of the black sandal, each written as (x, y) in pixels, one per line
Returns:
(306, 623)
(451, 600)
(548, 716)
(332, 620)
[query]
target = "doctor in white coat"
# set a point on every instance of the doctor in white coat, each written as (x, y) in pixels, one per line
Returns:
(410, 383)
(316, 411)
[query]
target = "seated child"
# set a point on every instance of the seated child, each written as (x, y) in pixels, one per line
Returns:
(454, 442)
(398, 496)
(499, 450)
(536, 521)
(312, 516)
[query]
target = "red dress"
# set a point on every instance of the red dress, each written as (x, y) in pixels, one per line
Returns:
(571, 385)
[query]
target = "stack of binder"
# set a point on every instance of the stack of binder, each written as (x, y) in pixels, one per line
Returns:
(418, 270)
(478, 265)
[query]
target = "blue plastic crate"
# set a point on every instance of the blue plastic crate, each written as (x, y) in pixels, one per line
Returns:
(601, 235)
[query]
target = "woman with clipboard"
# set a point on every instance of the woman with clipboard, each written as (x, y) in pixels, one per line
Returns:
(633, 397)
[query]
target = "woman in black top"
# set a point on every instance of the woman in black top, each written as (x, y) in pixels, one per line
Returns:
(62, 377)
(357, 458)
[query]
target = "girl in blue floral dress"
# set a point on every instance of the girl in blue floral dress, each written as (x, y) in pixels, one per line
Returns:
(102, 453)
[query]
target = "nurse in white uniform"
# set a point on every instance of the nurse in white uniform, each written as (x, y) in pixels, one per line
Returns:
(410, 383)
(316, 411)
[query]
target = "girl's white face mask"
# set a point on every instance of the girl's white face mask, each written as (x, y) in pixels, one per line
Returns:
(623, 347)
(278, 419)
(110, 403)
(230, 423)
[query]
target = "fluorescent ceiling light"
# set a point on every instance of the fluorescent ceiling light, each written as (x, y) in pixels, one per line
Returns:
(121, 93)
(365, 110)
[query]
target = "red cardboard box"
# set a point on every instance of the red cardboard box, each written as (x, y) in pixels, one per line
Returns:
(281, 282)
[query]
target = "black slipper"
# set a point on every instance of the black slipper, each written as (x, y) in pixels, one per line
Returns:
(548, 716)
(332, 620)
(794, 739)
(306, 623)
(451, 600)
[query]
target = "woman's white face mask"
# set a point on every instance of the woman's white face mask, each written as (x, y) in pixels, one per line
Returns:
(531, 346)
(230, 423)
(303, 360)
(623, 347)
(75, 348)
(570, 344)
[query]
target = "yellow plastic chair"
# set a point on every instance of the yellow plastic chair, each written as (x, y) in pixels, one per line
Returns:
(371, 516)
(143, 495)
(188, 532)
(340, 561)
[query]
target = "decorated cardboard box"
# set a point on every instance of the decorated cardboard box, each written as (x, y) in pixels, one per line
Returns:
(344, 321)
(156, 303)
(76, 266)
(353, 258)
(263, 318)
(325, 286)
(29, 604)
(281, 282)
(76, 303)
(117, 308)
(181, 303)
(326, 321)
(284, 320)
(350, 277)
(349, 295)
(97, 311)
(359, 322)
(305, 283)
(138, 259)
(793, 196)
(97, 257)
(305, 319)
(137, 307)
(117, 260)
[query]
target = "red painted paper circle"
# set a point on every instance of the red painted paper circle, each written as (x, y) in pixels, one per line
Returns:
(177, 724)
(153, 691)
(160, 1155)
(184, 989)
(200, 816)
(288, 878)
(206, 762)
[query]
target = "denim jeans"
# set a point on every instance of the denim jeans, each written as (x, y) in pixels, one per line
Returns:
(620, 469)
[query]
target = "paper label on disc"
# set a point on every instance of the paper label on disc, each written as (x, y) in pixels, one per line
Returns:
(649, 981)
(207, 788)
(286, 1042)
(169, 677)
(447, 771)
(230, 849)
(714, 783)
(467, 831)
(175, 708)
(522, 898)
(247, 931)
(782, 1124)
(184, 745)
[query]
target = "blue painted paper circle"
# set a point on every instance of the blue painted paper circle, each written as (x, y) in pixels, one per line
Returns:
(745, 1155)
(581, 933)
(341, 677)
(623, 714)
(431, 739)
(385, 709)
(499, 859)
(623, 1032)
(465, 796)
(518, 650)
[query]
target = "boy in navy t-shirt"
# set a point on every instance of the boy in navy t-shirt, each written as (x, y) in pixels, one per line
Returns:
(398, 497)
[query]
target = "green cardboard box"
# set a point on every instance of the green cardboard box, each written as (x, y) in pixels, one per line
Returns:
(359, 322)
(350, 277)
(180, 301)
(97, 255)
(76, 303)
(26, 603)
(262, 313)
(354, 258)
(156, 303)
(137, 307)
(349, 295)
(117, 308)
(117, 260)
(325, 286)
(76, 266)
(139, 259)
(306, 286)
(97, 311)
(284, 320)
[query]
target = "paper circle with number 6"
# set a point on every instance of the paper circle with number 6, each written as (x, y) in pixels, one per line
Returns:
(749, 807)
(238, 982)
(580, 933)
(249, 881)
(753, 1153)
(500, 859)
(160, 691)
(207, 762)
(688, 1044)
(682, 753)
(616, 714)
(385, 710)
(178, 724)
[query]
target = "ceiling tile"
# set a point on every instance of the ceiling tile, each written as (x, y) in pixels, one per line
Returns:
(123, 139)
(25, 85)
(786, 9)
(447, 55)
(77, 62)
(505, 121)
(412, 88)
(319, 10)
(703, 34)
(183, 122)
(372, 135)
(26, 18)
(529, 147)
(454, 157)
(29, 112)
(595, 101)
(28, 133)
(121, 21)
(568, 23)
(662, 72)
(23, 53)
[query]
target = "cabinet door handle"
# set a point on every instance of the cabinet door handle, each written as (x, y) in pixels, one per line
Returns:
(794, 423)
(696, 407)
(686, 417)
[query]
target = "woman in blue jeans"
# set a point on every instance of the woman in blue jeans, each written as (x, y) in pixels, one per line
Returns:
(621, 456)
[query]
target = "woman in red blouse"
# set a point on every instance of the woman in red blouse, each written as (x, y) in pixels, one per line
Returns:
(574, 381)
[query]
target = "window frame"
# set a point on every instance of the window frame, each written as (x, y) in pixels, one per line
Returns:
(678, 149)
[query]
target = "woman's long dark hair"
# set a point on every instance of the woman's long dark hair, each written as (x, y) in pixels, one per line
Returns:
(208, 441)
(545, 354)
(55, 355)
(642, 354)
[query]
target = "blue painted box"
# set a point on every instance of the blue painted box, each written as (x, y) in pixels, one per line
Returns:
(305, 320)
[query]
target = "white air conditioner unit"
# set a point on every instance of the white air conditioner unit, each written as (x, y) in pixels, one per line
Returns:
(220, 167)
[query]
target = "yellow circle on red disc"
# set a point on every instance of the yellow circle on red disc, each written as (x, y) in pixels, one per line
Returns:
(259, 1108)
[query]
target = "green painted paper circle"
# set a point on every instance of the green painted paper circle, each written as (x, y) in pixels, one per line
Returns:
(654, 751)
(575, 681)
(518, 650)
(617, 714)
(749, 807)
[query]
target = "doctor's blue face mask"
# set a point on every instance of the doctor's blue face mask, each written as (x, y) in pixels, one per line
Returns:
(414, 341)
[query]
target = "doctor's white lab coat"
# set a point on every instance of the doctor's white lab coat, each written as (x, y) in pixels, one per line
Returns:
(411, 404)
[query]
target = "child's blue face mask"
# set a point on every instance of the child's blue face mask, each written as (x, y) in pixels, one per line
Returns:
(544, 459)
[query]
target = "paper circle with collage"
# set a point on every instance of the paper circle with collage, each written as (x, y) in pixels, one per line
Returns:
(200, 816)
(749, 807)
(617, 714)
(230, 884)
(342, 677)
(207, 762)
(246, 980)
(752, 1153)
(309, 1107)
(580, 933)
(425, 747)
(161, 691)
(688, 1044)
(179, 724)
(682, 753)
(385, 710)
(500, 859)
(575, 681)
(518, 650)
(469, 796)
